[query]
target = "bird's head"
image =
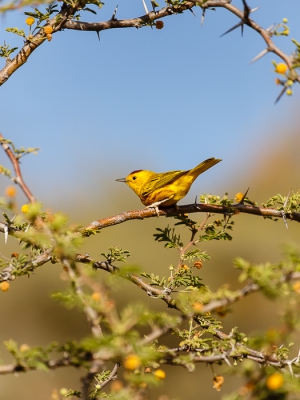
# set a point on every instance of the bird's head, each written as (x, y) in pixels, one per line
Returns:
(136, 179)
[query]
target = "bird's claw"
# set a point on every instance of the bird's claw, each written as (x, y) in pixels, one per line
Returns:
(156, 204)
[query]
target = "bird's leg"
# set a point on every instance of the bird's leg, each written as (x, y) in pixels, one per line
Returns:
(157, 203)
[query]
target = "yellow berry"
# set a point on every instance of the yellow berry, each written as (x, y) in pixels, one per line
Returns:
(185, 267)
(4, 286)
(285, 20)
(29, 21)
(24, 347)
(159, 374)
(218, 382)
(48, 29)
(25, 208)
(159, 24)
(289, 92)
(239, 196)
(63, 391)
(132, 362)
(275, 381)
(10, 191)
(281, 68)
(289, 83)
(49, 37)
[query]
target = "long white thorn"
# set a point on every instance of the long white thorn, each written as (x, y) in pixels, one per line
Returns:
(145, 6)
(260, 55)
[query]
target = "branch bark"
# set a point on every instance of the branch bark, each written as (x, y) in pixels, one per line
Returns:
(234, 209)
(19, 178)
(65, 22)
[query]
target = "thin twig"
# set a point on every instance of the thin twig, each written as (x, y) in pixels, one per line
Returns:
(92, 315)
(19, 178)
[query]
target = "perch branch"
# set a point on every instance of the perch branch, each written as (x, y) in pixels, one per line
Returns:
(186, 209)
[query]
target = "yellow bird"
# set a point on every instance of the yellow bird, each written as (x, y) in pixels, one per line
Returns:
(165, 188)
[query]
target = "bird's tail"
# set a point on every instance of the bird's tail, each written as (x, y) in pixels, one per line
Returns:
(205, 165)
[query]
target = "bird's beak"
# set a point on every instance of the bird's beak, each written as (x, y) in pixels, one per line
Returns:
(121, 180)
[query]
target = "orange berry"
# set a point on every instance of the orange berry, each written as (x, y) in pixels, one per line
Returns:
(281, 68)
(159, 24)
(275, 381)
(296, 286)
(49, 37)
(4, 286)
(96, 296)
(48, 29)
(277, 81)
(29, 21)
(10, 191)
(198, 264)
(132, 362)
(197, 307)
(221, 311)
(14, 255)
(185, 267)
(159, 374)
(116, 386)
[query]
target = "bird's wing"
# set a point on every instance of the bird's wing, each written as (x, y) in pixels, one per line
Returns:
(161, 180)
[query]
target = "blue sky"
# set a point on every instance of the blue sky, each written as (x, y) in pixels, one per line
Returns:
(145, 98)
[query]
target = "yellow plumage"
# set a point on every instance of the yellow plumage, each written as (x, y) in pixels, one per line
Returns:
(165, 188)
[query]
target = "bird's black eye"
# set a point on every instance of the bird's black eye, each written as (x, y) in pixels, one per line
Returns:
(134, 178)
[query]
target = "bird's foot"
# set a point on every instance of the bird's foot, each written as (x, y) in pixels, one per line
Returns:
(156, 204)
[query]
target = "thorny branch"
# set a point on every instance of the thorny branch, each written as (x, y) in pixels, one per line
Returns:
(67, 12)
(92, 316)
(237, 351)
(164, 294)
(186, 209)
(234, 209)
(19, 178)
